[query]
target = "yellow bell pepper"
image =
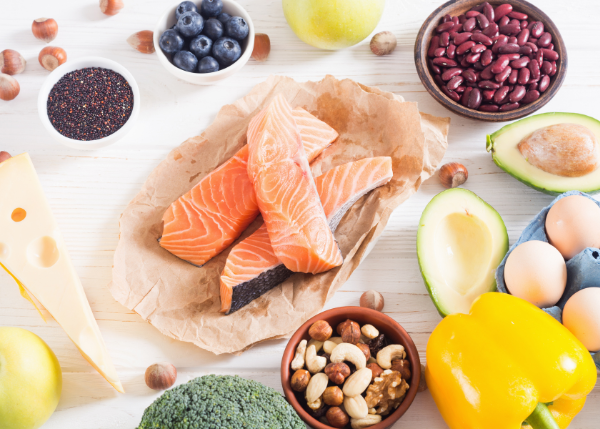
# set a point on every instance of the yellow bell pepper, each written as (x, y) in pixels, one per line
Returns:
(507, 364)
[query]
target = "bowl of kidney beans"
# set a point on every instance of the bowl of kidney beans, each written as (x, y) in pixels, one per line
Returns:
(492, 61)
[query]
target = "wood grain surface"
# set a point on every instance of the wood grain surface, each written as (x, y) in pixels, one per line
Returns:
(88, 190)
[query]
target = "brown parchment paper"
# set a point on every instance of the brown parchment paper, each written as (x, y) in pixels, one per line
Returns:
(181, 300)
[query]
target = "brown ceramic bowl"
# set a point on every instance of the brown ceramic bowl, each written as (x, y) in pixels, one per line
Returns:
(457, 7)
(386, 325)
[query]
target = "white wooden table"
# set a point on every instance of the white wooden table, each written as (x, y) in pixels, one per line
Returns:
(88, 190)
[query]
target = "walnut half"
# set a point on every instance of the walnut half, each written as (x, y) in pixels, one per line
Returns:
(387, 392)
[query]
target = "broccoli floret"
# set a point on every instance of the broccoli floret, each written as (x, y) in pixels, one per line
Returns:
(221, 402)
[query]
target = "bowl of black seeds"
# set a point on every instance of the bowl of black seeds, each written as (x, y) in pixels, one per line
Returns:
(89, 103)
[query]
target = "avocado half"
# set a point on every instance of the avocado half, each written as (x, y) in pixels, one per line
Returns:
(503, 145)
(461, 240)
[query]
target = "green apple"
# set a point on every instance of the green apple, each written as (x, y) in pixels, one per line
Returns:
(333, 24)
(30, 380)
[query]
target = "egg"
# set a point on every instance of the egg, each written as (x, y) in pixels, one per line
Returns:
(581, 316)
(536, 272)
(573, 224)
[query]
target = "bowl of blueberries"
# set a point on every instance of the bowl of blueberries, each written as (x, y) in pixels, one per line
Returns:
(204, 42)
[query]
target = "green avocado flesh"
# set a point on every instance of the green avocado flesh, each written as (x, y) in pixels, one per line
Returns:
(504, 147)
(461, 240)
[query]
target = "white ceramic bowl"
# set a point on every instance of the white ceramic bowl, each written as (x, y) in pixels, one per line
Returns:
(168, 20)
(72, 65)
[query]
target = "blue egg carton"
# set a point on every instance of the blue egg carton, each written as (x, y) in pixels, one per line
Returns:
(583, 270)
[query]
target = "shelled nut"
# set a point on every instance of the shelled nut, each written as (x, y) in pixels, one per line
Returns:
(300, 380)
(44, 29)
(337, 372)
(333, 396)
(336, 417)
(365, 349)
(320, 330)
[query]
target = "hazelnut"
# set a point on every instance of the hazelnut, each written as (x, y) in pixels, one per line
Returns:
(51, 57)
(351, 333)
(375, 369)
(342, 325)
(142, 41)
(111, 7)
(453, 174)
(320, 330)
(44, 29)
(337, 417)
(403, 367)
(365, 349)
(337, 372)
(300, 380)
(383, 43)
(262, 47)
(333, 396)
(372, 299)
(160, 376)
(9, 87)
(11, 62)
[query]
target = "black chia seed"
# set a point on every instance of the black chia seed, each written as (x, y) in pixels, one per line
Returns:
(90, 103)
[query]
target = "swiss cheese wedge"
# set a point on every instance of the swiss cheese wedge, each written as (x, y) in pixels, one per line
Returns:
(32, 251)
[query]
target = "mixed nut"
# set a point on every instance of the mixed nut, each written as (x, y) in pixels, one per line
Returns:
(354, 378)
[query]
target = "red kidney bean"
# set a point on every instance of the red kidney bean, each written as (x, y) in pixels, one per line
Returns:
(462, 18)
(464, 47)
(477, 49)
(533, 46)
(465, 97)
(534, 68)
(477, 65)
(488, 84)
(473, 58)
(537, 29)
(451, 51)
(515, 22)
(497, 66)
(544, 83)
(486, 73)
(503, 75)
(482, 21)
(501, 41)
(508, 107)
(501, 94)
(477, 30)
(518, 15)
(444, 62)
(520, 63)
(533, 40)
(455, 20)
(454, 83)
(489, 108)
(503, 21)
(554, 68)
(470, 24)
(461, 38)
(453, 95)
(524, 25)
(491, 30)
(532, 86)
(460, 89)
(438, 80)
(446, 26)
(546, 67)
(509, 48)
(486, 58)
(488, 94)
(472, 14)
(522, 37)
(447, 18)
(524, 75)
(551, 46)
(513, 40)
(478, 8)
(502, 10)
(544, 40)
(530, 96)
(509, 29)
(517, 94)
(439, 52)
(474, 99)
(512, 57)
(488, 11)
(548, 54)
(525, 50)
(444, 39)
(514, 75)
(539, 57)
(469, 76)
(433, 46)
(481, 38)
(464, 63)
(450, 73)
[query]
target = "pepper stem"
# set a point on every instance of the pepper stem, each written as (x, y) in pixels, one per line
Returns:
(541, 418)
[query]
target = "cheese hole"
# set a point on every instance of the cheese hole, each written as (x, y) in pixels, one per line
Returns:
(43, 252)
(4, 252)
(18, 215)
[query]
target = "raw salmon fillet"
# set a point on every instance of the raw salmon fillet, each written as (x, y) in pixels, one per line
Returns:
(206, 220)
(286, 194)
(252, 268)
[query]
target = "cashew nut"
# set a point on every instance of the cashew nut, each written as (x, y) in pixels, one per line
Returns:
(369, 420)
(351, 353)
(316, 387)
(356, 407)
(318, 344)
(331, 344)
(315, 405)
(314, 363)
(298, 361)
(369, 331)
(358, 382)
(386, 355)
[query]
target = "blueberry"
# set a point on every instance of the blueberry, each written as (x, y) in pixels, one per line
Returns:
(171, 42)
(226, 51)
(224, 17)
(210, 8)
(201, 46)
(213, 28)
(190, 24)
(237, 28)
(185, 60)
(208, 65)
(186, 6)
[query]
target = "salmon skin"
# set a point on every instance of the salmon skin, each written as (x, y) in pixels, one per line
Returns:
(252, 268)
(205, 221)
(286, 194)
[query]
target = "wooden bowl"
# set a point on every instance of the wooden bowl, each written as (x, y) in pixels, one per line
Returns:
(386, 325)
(457, 7)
